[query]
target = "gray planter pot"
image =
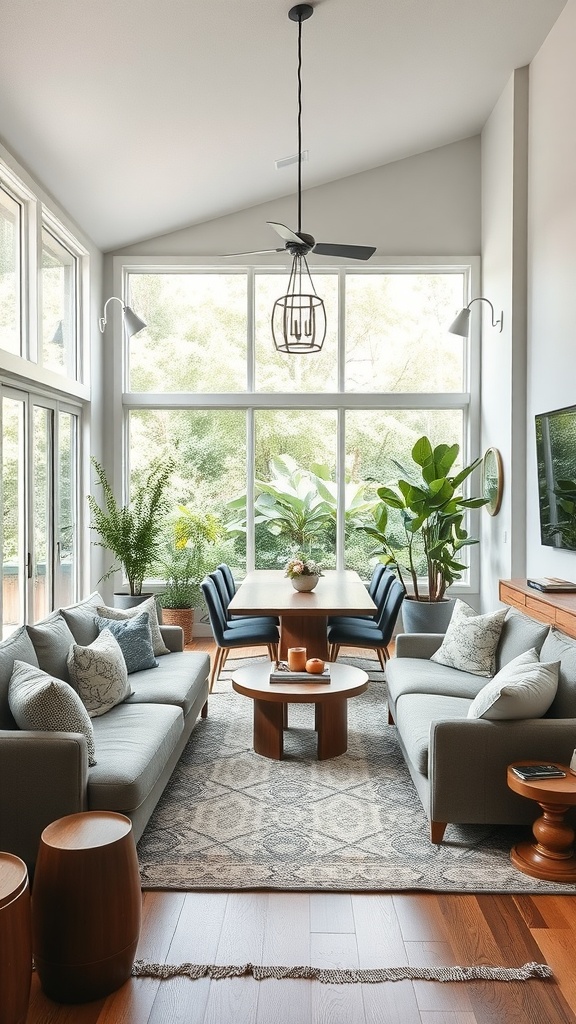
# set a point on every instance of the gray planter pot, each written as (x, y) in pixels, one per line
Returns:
(426, 616)
(129, 600)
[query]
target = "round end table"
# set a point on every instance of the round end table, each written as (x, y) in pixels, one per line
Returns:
(15, 940)
(86, 906)
(551, 855)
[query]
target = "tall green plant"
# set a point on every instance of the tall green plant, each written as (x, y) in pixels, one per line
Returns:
(132, 532)
(188, 554)
(432, 511)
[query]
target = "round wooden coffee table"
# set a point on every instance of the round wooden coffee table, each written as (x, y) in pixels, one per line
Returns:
(551, 856)
(271, 702)
(15, 940)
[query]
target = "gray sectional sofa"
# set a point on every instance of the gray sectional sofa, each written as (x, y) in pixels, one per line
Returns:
(45, 775)
(458, 764)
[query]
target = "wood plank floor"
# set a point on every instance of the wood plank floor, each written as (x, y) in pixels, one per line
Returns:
(340, 930)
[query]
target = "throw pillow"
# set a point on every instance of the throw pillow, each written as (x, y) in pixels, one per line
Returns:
(99, 674)
(149, 605)
(18, 646)
(52, 639)
(559, 647)
(40, 702)
(133, 637)
(80, 618)
(471, 640)
(524, 688)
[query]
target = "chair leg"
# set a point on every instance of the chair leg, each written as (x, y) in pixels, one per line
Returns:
(272, 652)
(381, 652)
(218, 664)
(334, 652)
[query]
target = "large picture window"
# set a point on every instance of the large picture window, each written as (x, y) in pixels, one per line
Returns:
(289, 450)
(10, 276)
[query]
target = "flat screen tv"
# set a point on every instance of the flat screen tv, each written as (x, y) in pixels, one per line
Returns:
(556, 456)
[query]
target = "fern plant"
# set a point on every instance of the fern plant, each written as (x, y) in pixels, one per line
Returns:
(132, 532)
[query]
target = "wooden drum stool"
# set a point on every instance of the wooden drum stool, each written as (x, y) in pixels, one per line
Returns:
(15, 940)
(86, 906)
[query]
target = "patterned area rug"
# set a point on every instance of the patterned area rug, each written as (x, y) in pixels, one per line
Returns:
(231, 819)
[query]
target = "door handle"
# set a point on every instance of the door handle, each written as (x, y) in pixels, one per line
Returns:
(29, 566)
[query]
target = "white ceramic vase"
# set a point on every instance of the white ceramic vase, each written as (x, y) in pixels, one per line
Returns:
(304, 583)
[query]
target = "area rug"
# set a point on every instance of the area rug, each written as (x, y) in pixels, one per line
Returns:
(230, 819)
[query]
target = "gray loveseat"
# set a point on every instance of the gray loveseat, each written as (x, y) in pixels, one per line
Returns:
(458, 764)
(44, 775)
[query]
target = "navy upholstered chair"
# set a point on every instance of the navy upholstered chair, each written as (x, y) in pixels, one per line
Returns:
(378, 594)
(374, 635)
(252, 634)
(237, 620)
(226, 572)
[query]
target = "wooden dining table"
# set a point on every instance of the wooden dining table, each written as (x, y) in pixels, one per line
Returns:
(303, 616)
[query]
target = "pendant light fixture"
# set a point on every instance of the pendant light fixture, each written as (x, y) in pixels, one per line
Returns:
(299, 317)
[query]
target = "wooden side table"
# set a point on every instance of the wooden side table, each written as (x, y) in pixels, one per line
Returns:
(551, 856)
(15, 940)
(86, 906)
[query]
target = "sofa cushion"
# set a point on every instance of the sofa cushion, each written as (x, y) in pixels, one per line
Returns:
(524, 688)
(17, 646)
(420, 675)
(38, 701)
(415, 712)
(133, 744)
(519, 634)
(52, 639)
(135, 640)
(559, 647)
(177, 680)
(80, 618)
(149, 605)
(99, 674)
(471, 640)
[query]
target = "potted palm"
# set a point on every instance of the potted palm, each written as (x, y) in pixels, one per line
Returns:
(132, 532)
(431, 533)
(189, 553)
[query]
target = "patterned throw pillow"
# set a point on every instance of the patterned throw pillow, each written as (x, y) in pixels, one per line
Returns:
(133, 637)
(149, 605)
(40, 702)
(524, 688)
(99, 674)
(471, 640)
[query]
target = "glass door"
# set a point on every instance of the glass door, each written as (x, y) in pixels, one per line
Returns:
(14, 518)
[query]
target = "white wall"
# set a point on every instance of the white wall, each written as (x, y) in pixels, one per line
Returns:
(503, 404)
(427, 205)
(551, 261)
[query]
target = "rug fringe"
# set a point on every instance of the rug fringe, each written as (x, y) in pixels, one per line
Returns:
(341, 976)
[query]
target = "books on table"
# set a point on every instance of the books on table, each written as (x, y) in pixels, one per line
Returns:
(284, 675)
(551, 584)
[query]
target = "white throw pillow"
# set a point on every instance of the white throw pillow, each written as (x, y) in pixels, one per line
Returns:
(471, 640)
(524, 688)
(149, 605)
(99, 674)
(38, 701)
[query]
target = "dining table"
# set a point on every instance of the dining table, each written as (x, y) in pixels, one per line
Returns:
(303, 615)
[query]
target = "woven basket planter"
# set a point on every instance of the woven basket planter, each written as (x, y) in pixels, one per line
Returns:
(183, 617)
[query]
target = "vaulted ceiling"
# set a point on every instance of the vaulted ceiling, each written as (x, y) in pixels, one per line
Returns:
(142, 117)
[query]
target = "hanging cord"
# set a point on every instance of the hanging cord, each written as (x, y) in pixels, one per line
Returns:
(299, 123)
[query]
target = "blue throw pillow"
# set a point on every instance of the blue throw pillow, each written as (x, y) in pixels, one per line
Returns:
(134, 638)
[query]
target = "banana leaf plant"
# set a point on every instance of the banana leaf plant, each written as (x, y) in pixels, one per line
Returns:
(432, 512)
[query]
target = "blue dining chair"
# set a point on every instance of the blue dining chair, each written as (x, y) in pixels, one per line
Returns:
(229, 580)
(374, 635)
(378, 595)
(237, 620)
(249, 635)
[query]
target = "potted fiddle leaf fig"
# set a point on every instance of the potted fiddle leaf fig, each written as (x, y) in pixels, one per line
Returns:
(132, 532)
(425, 539)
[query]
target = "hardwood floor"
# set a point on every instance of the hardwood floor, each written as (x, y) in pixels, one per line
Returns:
(341, 930)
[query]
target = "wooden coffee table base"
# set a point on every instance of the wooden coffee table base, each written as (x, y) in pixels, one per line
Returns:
(552, 855)
(331, 724)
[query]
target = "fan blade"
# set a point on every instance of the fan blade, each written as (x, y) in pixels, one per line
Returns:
(349, 252)
(286, 233)
(253, 252)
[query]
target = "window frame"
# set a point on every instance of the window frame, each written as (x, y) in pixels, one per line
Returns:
(250, 400)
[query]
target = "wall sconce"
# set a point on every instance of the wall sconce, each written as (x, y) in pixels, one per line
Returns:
(461, 324)
(132, 322)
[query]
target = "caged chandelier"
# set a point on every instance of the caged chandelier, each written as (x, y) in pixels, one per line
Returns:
(299, 317)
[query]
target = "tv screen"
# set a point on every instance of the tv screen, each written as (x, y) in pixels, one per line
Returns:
(556, 455)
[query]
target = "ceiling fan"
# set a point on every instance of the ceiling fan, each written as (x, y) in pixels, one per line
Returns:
(298, 243)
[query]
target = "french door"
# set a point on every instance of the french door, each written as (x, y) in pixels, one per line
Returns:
(40, 502)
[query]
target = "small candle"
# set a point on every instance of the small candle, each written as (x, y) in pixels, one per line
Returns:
(297, 659)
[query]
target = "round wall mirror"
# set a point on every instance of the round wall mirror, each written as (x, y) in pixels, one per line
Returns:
(492, 480)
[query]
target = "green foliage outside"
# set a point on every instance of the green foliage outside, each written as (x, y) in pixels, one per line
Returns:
(190, 551)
